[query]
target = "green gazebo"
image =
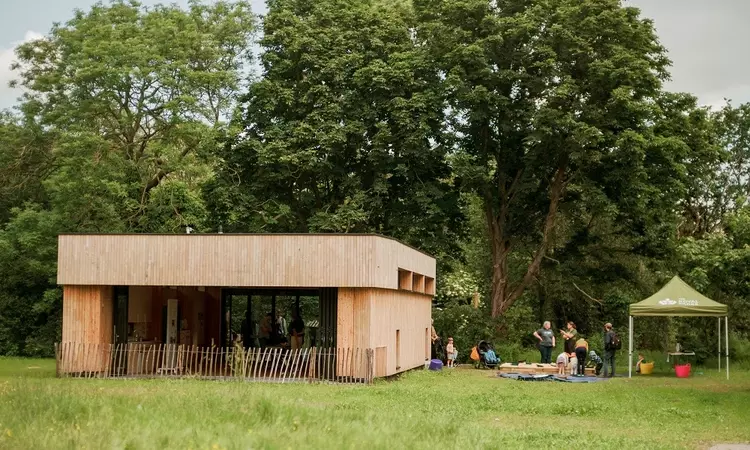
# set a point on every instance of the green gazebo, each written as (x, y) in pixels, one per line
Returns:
(677, 298)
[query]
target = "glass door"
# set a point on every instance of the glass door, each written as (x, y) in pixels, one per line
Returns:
(120, 321)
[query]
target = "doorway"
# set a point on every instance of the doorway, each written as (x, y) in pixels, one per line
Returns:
(120, 297)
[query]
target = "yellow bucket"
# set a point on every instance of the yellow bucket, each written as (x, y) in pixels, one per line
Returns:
(647, 368)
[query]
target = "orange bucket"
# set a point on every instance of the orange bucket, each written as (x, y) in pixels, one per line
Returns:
(682, 371)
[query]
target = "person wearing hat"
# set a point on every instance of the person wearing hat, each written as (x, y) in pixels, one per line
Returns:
(609, 352)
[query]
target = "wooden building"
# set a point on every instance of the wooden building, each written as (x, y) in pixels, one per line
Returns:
(364, 293)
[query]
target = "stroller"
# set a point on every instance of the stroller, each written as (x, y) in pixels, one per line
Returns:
(484, 356)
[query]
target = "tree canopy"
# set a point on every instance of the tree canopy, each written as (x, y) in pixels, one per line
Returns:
(122, 109)
(529, 145)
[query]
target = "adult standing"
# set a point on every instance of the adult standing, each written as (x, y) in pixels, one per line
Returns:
(266, 328)
(546, 341)
(581, 350)
(281, 327)
(609, 351)
(435, 340)
(297, 331)
(570, 335)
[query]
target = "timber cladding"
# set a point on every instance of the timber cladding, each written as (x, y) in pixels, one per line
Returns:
(394, 323)
(253, 260)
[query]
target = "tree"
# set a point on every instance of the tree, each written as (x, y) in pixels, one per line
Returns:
(548, 100)
(25, 161)
(342, 133)
(733, 134)
(147, 89)
(122, 109)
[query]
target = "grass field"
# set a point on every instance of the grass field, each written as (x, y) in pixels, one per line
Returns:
(462, 408)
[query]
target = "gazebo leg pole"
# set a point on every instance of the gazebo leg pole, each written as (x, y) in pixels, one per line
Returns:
(726, 343)
(630, 347)
(719, 344)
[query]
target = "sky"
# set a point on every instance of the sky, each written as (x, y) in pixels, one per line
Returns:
(705, 39)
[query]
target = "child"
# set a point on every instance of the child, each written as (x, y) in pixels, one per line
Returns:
(638, 364)
(450, 349)
(596, 361)
(573, 364)
(562, 363)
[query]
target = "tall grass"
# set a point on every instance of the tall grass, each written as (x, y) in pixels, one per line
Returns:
(462, 408)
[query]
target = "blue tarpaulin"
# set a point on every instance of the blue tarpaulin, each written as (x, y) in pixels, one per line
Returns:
(527, 377)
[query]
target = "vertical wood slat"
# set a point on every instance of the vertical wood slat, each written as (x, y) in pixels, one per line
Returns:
(266, 358)
(311, 365)
(194, 364)
(92, 360)
(289, 360)
(257, 362)
(271, 363)
(120, 366)
(86, 362)
(259, 368)
(293, 363)
(276, 358)
(289, 374)
(149, 356)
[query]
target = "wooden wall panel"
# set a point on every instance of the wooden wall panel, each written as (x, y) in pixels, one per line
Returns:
(409, 312)
(353, 326)
(242, 260)
(369, 318)
(389, 254)
(87, 319)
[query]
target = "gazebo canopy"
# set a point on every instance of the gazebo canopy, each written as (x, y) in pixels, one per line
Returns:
(677, 298)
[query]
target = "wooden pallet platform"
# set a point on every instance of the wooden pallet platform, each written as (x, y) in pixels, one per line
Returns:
(535, 368)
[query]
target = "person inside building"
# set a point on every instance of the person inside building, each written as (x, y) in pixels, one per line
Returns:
(266, 328)
(297, 331)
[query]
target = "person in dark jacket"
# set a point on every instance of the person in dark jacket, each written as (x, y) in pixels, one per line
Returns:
(609, 352)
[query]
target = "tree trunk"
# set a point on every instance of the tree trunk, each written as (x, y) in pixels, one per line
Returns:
(503, 293)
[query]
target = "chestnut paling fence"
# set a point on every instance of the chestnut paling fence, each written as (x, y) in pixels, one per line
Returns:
(340, 365)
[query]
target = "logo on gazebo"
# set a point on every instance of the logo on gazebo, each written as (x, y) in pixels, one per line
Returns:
(667, 302)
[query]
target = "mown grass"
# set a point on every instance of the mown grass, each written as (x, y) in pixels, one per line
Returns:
(463, 408)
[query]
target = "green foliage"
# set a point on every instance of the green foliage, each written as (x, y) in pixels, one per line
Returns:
(343, 131)
(29, 301)
(537, 121)
(122, 109)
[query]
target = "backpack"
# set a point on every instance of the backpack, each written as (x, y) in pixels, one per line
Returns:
(615, 343)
